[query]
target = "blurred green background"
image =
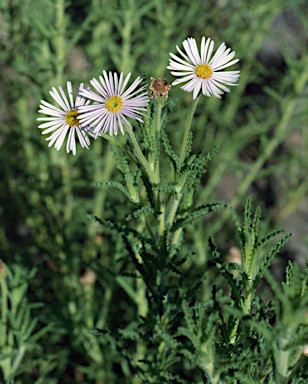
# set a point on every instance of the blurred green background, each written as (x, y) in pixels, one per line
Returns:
(45, 195)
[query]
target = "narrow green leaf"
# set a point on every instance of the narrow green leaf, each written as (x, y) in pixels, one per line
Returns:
(203, 210)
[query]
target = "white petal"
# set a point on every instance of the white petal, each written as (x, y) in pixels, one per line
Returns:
(52, 112)
(55, 123)
(187, 78)
(218, 68)
(204, 49)
(180, 67)
(209, 53)
(71, 142)
(179, 60)
(63, 103)
(183, 54)
(53, 128)
(125, 83)
(132, 87)
(70, 94)
(190, 46)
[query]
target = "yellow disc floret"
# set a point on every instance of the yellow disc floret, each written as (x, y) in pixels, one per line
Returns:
(204, 71)
(71, 118)
(114, 104)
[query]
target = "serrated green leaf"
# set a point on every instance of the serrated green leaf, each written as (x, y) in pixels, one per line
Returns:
(236, 294)
(123, 229)
(262, 328)
(289, 273)
(243, 379)
(247, 216)
(114, 184)
(170, 188)
(149, 187)
(256, 222)
(238, 224)
(174, 159)
(203, 210)
(267, 259)
(143, 211)
(268, 238)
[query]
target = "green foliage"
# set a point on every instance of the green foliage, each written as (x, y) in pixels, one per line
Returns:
(219, 337)
(144, 291)
(254, 260)
(19, 333)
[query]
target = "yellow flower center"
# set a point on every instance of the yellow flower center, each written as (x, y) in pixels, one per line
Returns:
(114, 104)
(204, 71)
(71, 118)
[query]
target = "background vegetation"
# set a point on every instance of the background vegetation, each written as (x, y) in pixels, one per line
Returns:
(65, 272)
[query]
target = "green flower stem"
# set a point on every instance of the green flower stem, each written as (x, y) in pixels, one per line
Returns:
(174, 208)
(116, 142)
(149, 170)
(157, 124)
(158, 110)
(177, 199)
(188, 124)
(172, 215)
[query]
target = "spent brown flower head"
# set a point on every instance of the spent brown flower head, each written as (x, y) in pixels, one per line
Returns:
(159, 87)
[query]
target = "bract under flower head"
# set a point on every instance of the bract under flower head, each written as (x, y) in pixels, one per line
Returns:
(64, 120)
(112, 103)
(200, 71)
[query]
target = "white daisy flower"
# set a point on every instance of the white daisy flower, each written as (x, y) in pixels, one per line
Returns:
(112, 104)
(64, 120)
(200, 71)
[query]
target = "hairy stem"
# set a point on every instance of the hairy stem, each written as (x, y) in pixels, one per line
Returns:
(188, 124)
